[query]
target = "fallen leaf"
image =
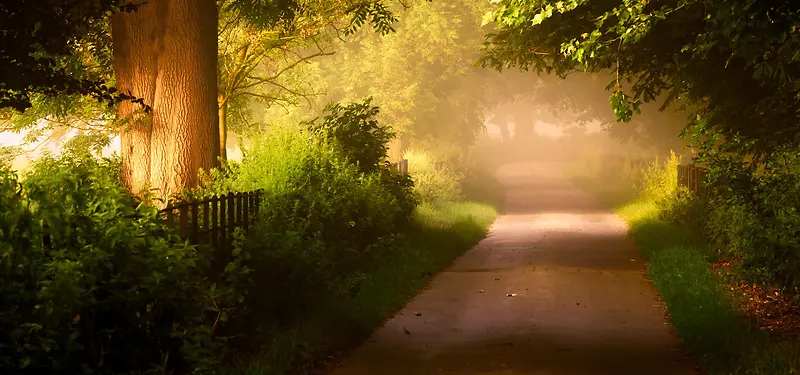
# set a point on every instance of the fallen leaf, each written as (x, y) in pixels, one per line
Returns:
(418, 313)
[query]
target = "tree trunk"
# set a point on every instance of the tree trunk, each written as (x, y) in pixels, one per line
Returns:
(223, 127)
(504, 134)
(134, 36)
(397, 146)
(166, 53)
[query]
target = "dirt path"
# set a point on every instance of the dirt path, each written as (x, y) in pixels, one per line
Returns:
(582, 305)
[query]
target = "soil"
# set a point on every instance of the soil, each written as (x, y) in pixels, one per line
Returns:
(556, 288)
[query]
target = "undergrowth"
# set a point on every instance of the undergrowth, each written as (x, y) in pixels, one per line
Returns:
(95, 281)
(440, 234)
(664, 222)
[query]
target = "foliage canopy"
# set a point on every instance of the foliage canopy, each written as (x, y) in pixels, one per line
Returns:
(734, 65)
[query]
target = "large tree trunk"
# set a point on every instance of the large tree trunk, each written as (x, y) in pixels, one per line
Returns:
(166, 54)
(134, 36)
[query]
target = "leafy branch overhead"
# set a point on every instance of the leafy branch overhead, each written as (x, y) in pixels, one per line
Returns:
(42, 43)
(736, 65)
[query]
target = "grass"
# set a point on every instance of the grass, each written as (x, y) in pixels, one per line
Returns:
(442, 233)
(700, 308)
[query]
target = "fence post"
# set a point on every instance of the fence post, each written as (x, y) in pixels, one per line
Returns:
(205, 220)
(195, 224)
(231, 218)
(240, 208)
(214, 220)
(183, 218)
(222, 223)
(246, 211)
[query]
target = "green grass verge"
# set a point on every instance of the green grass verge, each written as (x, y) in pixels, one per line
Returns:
(697, 300)
(442, 233)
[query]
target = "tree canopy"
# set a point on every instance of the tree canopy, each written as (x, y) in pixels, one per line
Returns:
(735, 66)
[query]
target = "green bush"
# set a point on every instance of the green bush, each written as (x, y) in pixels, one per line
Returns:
(355, 131)
(361, 140)
(322, 220)
(434, 181)
(704, 314)
(761, 226)
(108, 290)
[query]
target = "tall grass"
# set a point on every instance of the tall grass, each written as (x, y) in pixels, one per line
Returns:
(697, 300)
(440, 234)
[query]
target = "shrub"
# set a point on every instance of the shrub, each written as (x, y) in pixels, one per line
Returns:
(110, 290)
(761, 226)
(753, 217)
(355, 131)
(434, 182)
(322, 220)
(659, 181)
(356, 134)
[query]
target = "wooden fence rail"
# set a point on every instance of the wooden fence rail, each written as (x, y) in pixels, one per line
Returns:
(692, 177)
(213, 220)
(400, 167)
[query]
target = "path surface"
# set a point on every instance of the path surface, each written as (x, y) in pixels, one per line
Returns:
(582, 305)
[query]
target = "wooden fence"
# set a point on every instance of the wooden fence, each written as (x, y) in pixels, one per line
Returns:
(400, 166)
(212, 221)
(691, 176)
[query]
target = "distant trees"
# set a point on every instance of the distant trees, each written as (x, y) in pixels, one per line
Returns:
(734, 65)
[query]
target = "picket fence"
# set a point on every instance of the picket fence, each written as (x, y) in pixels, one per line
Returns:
(400, 167)
(214, 220)
(691, 176)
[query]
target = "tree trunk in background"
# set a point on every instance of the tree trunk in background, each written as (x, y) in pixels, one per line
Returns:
(222, 102)
(504, 134)
(174, 69)
(397, 146)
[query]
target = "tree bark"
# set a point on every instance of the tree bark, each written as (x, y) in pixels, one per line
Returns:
(166, 53)
(134, 42)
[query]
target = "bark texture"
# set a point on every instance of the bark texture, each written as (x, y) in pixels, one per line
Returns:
(166, 54)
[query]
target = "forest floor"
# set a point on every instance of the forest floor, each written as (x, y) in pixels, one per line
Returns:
(557, 287)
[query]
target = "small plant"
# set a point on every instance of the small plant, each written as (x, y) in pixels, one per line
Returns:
(434, 182)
